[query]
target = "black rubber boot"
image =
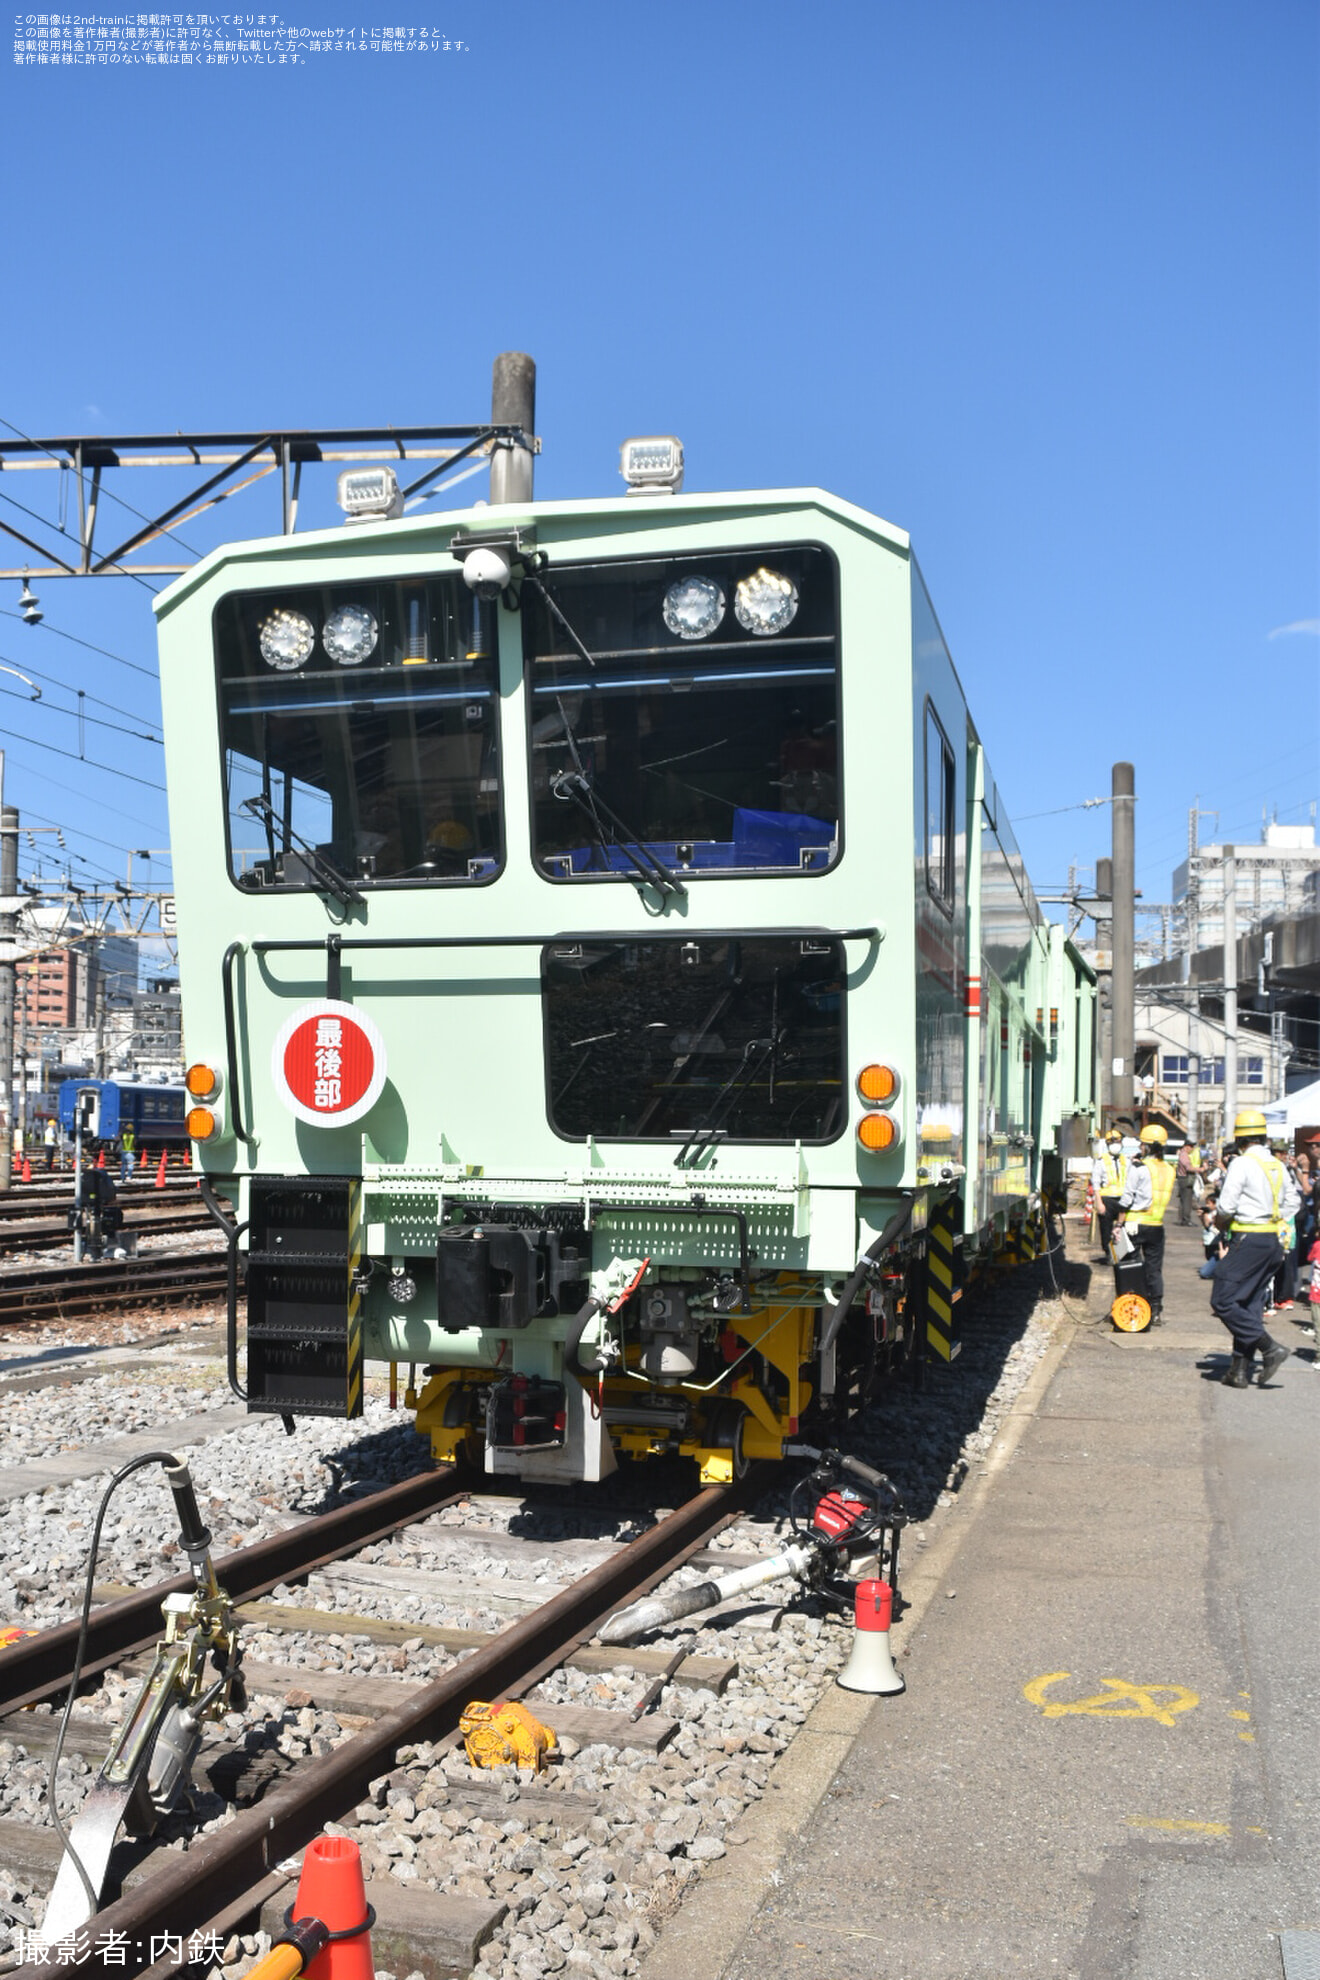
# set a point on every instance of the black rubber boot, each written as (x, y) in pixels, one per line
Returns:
(1273, 1356)
(1238, 1373)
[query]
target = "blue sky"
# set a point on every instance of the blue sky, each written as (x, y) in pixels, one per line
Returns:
(1037, 282)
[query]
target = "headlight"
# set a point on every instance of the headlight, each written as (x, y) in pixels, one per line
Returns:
(765, 602)
(286, 639)
(694, 607)
(349, 635)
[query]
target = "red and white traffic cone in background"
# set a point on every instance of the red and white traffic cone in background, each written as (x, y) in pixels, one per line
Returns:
(870, 1667)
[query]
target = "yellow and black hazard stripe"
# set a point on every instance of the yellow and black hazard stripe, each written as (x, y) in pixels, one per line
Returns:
(353, 1330)
(942, 1343)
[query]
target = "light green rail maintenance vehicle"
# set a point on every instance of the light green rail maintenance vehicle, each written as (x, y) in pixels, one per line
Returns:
(614, 989)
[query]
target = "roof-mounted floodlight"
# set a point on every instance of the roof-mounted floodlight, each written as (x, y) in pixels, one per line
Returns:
(653, 466)
(370, 494)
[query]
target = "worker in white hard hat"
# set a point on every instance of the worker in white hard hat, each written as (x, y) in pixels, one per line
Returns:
(1141, 1210)
(1256, 1201)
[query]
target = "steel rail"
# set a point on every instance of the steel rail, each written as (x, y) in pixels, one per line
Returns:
(37, 1668)
(127, 1198)
(197, 1884)
(81, 1292)
(49, 1237)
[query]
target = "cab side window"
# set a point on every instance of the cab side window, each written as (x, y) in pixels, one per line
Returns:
(941, 834)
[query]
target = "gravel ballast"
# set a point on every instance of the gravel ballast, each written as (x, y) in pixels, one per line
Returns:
(584, 1889)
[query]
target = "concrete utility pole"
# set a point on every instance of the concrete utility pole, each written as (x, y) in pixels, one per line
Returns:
(8, 937)
(512, 403)
(1104, 986)
(1230, 989)
(1125, 882)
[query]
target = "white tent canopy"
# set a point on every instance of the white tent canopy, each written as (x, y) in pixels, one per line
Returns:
(1299, 1109)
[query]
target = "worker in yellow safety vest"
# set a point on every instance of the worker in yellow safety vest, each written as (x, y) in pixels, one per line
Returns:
(1257, 1199)
(1141, 1210)
(1108, 1178)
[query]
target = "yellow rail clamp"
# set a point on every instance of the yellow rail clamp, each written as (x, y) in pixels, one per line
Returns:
(505, 1734)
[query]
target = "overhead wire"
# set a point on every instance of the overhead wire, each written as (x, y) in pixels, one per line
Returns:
(54, 680)
(111, 771)
(78, 714)
(150, 672)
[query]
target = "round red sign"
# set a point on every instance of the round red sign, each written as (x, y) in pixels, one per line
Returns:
(328, 1063)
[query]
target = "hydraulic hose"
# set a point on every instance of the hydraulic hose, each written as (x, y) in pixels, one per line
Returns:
(891, 1233)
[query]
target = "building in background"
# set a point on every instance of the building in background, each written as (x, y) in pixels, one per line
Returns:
(55, 990)
(157, 1045)
(116, 959)
(1276, 877)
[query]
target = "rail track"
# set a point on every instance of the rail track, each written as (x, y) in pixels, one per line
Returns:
(81, 1292)
(26, 1206)
(21, 1207)
(51, 1237)
(226, 1873)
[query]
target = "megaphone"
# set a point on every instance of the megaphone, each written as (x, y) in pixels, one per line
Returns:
(870, 1667)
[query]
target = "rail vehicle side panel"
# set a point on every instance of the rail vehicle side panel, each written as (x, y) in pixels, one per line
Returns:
(939, 891)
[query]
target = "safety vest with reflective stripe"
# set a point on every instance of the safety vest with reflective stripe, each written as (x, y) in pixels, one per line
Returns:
(1161, 1189)
(1115, 1174)
(1277, 1175)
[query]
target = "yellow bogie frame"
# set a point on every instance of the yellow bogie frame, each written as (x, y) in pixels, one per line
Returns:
(784, 1336)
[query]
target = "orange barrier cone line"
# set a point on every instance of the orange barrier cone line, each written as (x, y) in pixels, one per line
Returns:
(331, 1889)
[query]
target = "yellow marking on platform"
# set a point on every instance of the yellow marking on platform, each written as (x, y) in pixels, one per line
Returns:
(1239, 1715)
(1119, 1700)
(1250, 1737)
(1171, 1822)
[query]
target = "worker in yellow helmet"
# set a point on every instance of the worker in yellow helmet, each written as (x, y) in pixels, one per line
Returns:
(1141, 1209)
(1257, 1199)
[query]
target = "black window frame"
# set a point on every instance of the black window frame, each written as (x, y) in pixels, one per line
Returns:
(759, 551)
(942, 888)
(645, 937)
(345, 590)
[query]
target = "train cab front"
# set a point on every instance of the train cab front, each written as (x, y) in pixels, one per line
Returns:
(548, 989)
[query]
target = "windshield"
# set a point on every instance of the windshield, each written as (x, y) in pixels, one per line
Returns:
(360, 731)
(705, 732)
(726, 1037)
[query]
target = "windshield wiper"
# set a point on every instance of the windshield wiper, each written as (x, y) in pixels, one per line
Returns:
(326, 875)
(576, 787)
(709, 1129)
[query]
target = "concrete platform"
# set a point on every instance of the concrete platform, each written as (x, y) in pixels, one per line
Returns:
(1104, 1767)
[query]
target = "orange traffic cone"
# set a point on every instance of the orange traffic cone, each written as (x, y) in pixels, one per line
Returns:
(160, 1173)
(187, 1157)
(100, 1160)
(27, 1170)
(331, 1889)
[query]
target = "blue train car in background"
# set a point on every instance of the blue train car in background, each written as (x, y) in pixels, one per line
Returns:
(155, 1113)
